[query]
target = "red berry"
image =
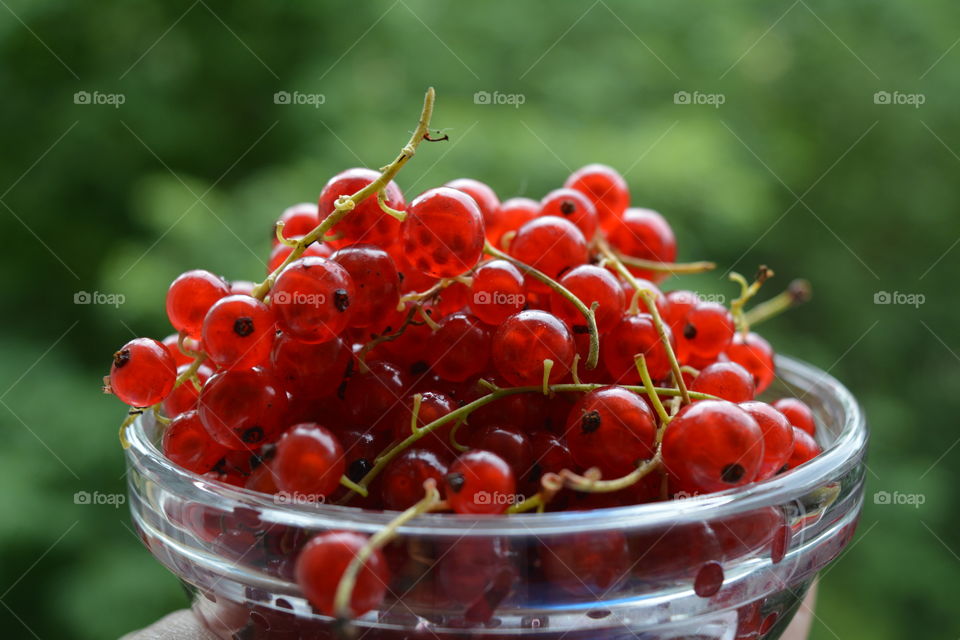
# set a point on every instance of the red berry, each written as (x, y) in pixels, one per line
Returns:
(709, 330)
(185, 396)
(367, 222)
(243, 409)
(513, 214)
(443, 232)
(573, 206)
(525, 340)
(805, 448)
(143, 372)
(190, 297)
(403, 478)
(777, 437)
(726, 380)
(798, 413)
(433, 406)
(679, 304)
(497, 291)
(298, 220)
(755, 355)
(309, 368)
(711, 446)
(309, 461)
(590, 284)
(606, 189)
(551, 245)
(643, 233)
(508, 443)
(460, 347)
(280, 252)
(187, 443)
(313, 299)
(172, 343)
(635, 334)
(375, 280)
(551, 453)
(485, 197)
(323, 562)
(452, 298)
(238, 332)
(376, 395)
(589, 563)
(612, 429)
(480, 482)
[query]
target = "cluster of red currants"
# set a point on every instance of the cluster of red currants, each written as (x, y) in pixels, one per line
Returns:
(515, 355)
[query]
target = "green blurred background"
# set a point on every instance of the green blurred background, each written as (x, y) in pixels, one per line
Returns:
(800, 168)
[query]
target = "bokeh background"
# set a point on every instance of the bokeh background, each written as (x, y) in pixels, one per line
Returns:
(804, 167)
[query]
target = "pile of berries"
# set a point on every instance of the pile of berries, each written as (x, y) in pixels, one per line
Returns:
(458, 353)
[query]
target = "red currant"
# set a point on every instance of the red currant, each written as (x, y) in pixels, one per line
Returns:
(485, 197)
(513, 214)
(375, 395)
(643, 233)
(280, 252)
(574, 206)
(497, 291)
(313, 299)
(323, 562)
(635, 334)
(460, 348)
(551, 245)
(798, 413)
(480, 482)
(190, 297)
(590, 284)
(238, 332)
(777, 437)
(589, 563)
(375, 280)
(243, 409)
(185, 396)
(612, 429)
(403, 478)
(709, 330)
(433, 406)
(172, 343)
(755, 355)
(298, 220)
(606, 189)
(309, 461)
(187, 443)
(309, 368)
(726, 380)
(443, 232)
(367, 222)
(143, 372)
(805, 448)
(525, 340)
(508, 443)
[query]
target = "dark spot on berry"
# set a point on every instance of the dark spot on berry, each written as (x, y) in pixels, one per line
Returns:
(252, 435)
(419, 368)
(455, 481)
(243, 326)
(581, 329)
(732, 473)
(358, 468)
(567, 207)
(590, 421)
(401, 276)
(341, 300)
(689, 331)
(121, 358)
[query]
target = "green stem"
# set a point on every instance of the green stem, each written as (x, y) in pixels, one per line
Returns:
(747, 291)
(641, 363)
(796, 293)
(666, 267)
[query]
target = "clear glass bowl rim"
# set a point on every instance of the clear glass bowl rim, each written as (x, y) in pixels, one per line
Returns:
(845, 452)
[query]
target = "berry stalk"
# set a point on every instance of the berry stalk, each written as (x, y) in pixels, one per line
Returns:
(796, 293)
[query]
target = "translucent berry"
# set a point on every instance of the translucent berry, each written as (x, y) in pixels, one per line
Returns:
(187, 443)
(589, 563)
(678, 304)
(460, 347)
(606, 189)
(798, 413)
(755, 355)
(190, 297)
(298, 220)
(172, 343)
(375, 281)
(309, 368)
(551, 245)
(375, 395)
(574, 206)
(497, 292)
(433, 406)
(184, 397)
(708, 331)
(726, 380)
(589, 284)
(635, 334)
(367, 222)
(280, 252)
(243, 409)
(513, 214)
(309, 461)
(312, 299)
(485, 197)
(525, 340)
(480, 482)
(324, 560)
(612, 429)
(777, 437)
(238, 332)
(805, 448)
(509, 443)
(443, 232)
(643, 233)
(143, 372)
(403, 478)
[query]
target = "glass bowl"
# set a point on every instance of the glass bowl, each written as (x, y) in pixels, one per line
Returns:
(727, 565)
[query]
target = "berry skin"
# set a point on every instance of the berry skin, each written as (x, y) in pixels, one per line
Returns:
(551, 245)
(143, 372)
(238, 332)
(525, 340)
(186, 443)
(374, 396)
(243, 409)
(309, 461)
(643, 233)
(281, 251)
(635, 334)
(190, 297)
(172, 343)
(612, 429)
(711, 446)
(375, 280)
(606, 189)
(726, 380)
(433, 405)
(805, 448)
(798, 413)
(298, 220)
(323, 562)
(574, 206)
(184, 397)
(313, 299)
(508, 443)
(480, 482)
(403, 478)
(678, 304)
(590, 284)
(777, 437)
(708, 331)
(443, 232)
(513, 214)
(497, 292)
(755, 355)
(367, 222)
(591, 563)
(460, 348)
(485, 197)
(307, 368)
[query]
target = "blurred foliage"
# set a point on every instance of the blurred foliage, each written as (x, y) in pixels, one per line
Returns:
(191, 170)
